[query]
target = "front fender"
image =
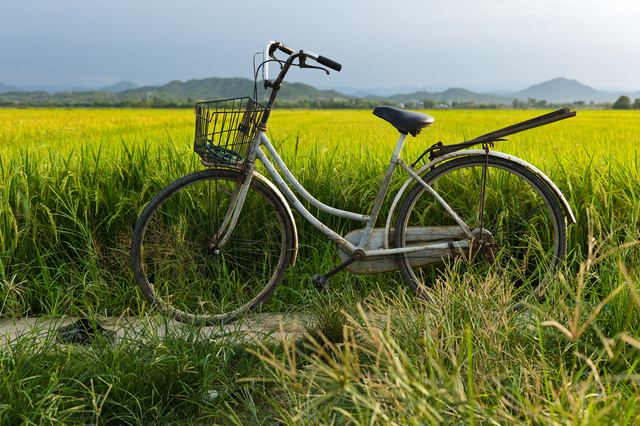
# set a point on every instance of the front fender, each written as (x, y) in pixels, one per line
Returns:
(561, 198)
(276, 191)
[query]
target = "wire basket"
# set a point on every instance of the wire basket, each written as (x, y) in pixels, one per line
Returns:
(225, 130)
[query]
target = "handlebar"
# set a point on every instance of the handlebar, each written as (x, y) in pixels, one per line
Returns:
(269, 52)
(329, 63)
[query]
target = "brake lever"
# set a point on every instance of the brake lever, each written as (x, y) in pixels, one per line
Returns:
(303, 64)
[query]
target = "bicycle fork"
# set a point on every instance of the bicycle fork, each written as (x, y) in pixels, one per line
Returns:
(238, 196)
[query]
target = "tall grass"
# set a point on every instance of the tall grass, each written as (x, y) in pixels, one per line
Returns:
(461, 356)
(457, 356)
(70, 196)
(74, 182)
(145, 378)
(72, 186)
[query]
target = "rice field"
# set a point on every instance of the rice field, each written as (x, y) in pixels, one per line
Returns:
(73, 183)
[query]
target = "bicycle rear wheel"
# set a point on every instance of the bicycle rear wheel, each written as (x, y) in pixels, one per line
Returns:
(179, 263)
(523, 227)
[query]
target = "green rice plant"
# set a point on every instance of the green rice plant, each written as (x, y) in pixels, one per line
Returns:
(458, 357)
(461, 356)
(73, 183)
(13, 297)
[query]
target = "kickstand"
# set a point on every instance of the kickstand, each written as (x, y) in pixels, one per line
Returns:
(321, 281)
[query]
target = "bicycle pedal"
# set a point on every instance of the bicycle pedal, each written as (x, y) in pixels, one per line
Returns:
(320, 282)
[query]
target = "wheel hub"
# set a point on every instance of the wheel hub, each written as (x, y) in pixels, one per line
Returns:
(213, 249)
(484, 245)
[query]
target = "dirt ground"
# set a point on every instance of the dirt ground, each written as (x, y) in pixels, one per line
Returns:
(263, 326)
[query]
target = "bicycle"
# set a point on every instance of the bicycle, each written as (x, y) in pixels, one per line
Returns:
(215, 244)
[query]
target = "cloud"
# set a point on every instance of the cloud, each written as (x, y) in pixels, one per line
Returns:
(380, 43)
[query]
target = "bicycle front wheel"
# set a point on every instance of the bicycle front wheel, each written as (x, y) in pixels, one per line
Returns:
(520, 233)
(181, 264)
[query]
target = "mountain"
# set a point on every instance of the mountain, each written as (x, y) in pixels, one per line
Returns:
(448, 96)
(5, 88)
(174, 93)
(558, 90)
(209, 88)
(561, 90)
(221, 88)
(119, 87)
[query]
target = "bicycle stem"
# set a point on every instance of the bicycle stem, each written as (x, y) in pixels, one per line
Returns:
(275, 85)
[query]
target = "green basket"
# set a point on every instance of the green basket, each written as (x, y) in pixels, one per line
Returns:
(225, 130)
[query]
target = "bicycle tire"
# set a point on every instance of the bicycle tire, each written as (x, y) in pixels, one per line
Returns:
(521, 214)
(178, 264)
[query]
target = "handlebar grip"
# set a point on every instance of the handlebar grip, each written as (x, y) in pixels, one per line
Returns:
(329, 63)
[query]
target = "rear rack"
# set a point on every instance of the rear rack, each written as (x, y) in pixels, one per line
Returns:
(439, 149)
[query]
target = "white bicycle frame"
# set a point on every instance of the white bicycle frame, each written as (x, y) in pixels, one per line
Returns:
(439, 241)
(369, 220)
(358, 251)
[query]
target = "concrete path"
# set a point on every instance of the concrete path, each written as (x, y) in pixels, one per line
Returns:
(263, 326)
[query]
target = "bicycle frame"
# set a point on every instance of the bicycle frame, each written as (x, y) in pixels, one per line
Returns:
(357, 251)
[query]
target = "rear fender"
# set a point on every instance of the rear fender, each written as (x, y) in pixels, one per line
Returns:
(561, 198)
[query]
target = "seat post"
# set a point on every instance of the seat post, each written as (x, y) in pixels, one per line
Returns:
(399, 146)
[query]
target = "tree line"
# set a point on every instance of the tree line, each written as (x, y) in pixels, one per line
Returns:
(624, 102)
(44, 100)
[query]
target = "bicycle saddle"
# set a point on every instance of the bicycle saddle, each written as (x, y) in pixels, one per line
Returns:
(405, 121)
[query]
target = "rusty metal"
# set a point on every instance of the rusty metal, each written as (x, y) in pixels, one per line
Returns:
(415, 236)
(359, 254)
(438, 198)
(542, 120)
(372, 245)
(369, 220)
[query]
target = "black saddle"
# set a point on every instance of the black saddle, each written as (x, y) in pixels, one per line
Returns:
(405, 121)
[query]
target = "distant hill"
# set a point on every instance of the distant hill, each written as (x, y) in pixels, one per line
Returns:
(564, 90)
(448, 96)
(171, 94)
(209, 88)
(5, 88)
(119, 87)
(221, 88)
(559, 90)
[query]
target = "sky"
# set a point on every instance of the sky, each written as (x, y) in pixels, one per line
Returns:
(481, 45)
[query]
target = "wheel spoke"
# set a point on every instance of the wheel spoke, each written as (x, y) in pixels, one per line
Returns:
(508, 207)
(180, 262)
